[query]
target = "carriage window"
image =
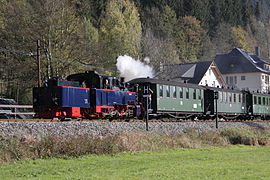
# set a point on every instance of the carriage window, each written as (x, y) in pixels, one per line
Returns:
(255, 100)
(260, 101)
(230, 97)
(244, 98)
(240, 97)
(220, 96)
(174, 92)
(234, 98)
(266, 101)
(160, 90)
(224, 97)
(194, 93)
(187, 93)
(200, 94)
(263, 100)
(168, 91)
(181, 92)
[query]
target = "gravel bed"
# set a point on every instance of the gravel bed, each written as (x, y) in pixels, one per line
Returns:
(39, 129)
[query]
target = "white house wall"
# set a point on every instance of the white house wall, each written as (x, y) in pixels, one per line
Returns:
(253, 81)
(210, 79)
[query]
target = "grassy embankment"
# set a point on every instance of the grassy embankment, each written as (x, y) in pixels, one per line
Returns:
(13, 149)
(233, 162)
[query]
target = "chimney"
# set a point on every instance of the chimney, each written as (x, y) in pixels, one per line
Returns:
(258, 51)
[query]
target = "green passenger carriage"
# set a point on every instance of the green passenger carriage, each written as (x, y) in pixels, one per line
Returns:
(168, 98)
(261, 105)
(231, 104)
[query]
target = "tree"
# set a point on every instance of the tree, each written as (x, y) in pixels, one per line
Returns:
(189, 38)
(240, 38)
(159, 51)
(120, 32)
(60, 30)
(167, 22)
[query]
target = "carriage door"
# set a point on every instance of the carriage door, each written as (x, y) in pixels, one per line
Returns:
(208, 101)
(249, 103)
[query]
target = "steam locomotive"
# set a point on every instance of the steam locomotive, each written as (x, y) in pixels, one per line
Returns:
(91, 95)
(85, 95)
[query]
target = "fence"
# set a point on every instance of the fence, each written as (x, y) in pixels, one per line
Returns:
(15, 110)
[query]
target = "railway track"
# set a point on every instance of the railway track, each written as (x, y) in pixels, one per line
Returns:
(122, 120)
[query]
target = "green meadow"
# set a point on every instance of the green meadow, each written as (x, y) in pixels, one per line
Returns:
(231, 162)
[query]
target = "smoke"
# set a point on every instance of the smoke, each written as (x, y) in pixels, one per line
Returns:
(130, 68)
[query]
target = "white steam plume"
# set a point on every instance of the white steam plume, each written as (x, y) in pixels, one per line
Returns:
(130, 68)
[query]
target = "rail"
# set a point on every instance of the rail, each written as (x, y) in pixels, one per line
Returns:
(14, 109)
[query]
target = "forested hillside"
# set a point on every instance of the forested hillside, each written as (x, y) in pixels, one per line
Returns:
(79, 35)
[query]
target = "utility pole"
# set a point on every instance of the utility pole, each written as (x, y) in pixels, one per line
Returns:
(38, 63)
(146, 96)
(216, 98)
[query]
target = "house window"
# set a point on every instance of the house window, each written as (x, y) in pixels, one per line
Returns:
(266, 79)
(262, 76)
(174, 92)
(205, 82)
(160, 90)
(227, 79)
(181, 92)
(243, 78)
(210, 72)
(231, 80)
(168, 91)
(235, 79)
(187, 93)
(214, 83)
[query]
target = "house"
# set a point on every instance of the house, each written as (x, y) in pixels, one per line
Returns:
(202, 73)
(244, 70)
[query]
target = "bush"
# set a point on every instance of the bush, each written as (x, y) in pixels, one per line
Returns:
(247, 137)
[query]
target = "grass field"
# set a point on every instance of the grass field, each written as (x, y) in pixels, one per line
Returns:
(233, 162)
